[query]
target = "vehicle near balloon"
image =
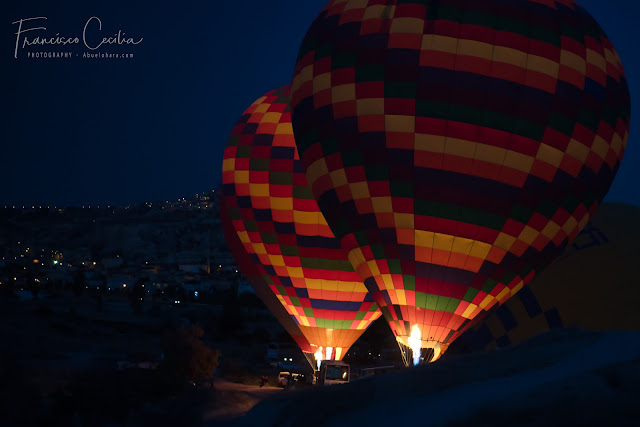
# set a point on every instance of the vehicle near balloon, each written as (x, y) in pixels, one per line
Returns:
(456, 148)
(274, 216)
(333, 372)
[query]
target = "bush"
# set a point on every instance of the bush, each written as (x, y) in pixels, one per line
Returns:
(186, 357)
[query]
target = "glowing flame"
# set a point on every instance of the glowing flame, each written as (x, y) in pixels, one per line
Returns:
(329, 352)
(318, 356)
(415, 343)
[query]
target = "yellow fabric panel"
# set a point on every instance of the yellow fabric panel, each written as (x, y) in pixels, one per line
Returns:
(529, 235)
(262, 108)
(610, 56)
(407, 26)
(510, 56)
(329, 285)
(321, 82)
(228, 164)
(490, 154)
(486, 301)
(295, 271)
(282, 203)
(424, 238)
(475, 48)
(306, 217)
(583, 222)
(358, 287)
(370, 107)
(431, 143)
(271, 117)
(402, 299)
(302, 77)
(461, 245)
(376, 11)
(284, 129)
(440, 43)
(570, 225)
(480, 249)
(600, 147)
(382, 204)
(259, 190)
(572, 60)
(596, 59)
(443, 242)
(259, 248)
(393, 123)
(338, 177)
(241, 177)
(243, 236)
(276, 260)
(518, 161)
(373, 266)
(577, 150)
(317, 170)
(550, 155)
(550, 230)
(460, 147)
(313, 283)
(360, 190)
(504, 241)
(543, 65)
(346, 92)
(355, 4)
(616, 144)
(356, 257)
(260, 101)
(388, 281)
(403, 220)
(469, 311)
(517, 287)
(503, 293)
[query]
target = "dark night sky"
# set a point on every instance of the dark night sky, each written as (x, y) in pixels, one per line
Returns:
(117, 131)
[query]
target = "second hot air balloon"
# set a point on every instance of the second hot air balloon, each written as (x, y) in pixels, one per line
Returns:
(276, 218)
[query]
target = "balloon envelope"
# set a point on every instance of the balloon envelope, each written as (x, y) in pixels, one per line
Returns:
(280, 225)
(456, 148)
(249, 270)
(592, 285)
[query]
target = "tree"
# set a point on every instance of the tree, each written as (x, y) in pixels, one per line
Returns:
(186, 357)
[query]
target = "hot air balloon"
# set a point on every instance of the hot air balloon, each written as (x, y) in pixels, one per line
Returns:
(456, 148)
(249, 270)
(593, 285)
(273, 212)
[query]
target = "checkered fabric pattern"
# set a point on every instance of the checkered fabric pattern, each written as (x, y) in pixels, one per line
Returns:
(250, 271)
(275, 216)
(592, 286)
(456, 147)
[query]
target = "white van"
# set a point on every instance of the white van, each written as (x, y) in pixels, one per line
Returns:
(333, 372)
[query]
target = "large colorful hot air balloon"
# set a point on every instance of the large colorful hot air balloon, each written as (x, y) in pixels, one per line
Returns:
(456, 147)
(280, 225)
(592, 285)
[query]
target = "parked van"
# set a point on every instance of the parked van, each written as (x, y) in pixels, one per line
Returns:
(333, 372)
